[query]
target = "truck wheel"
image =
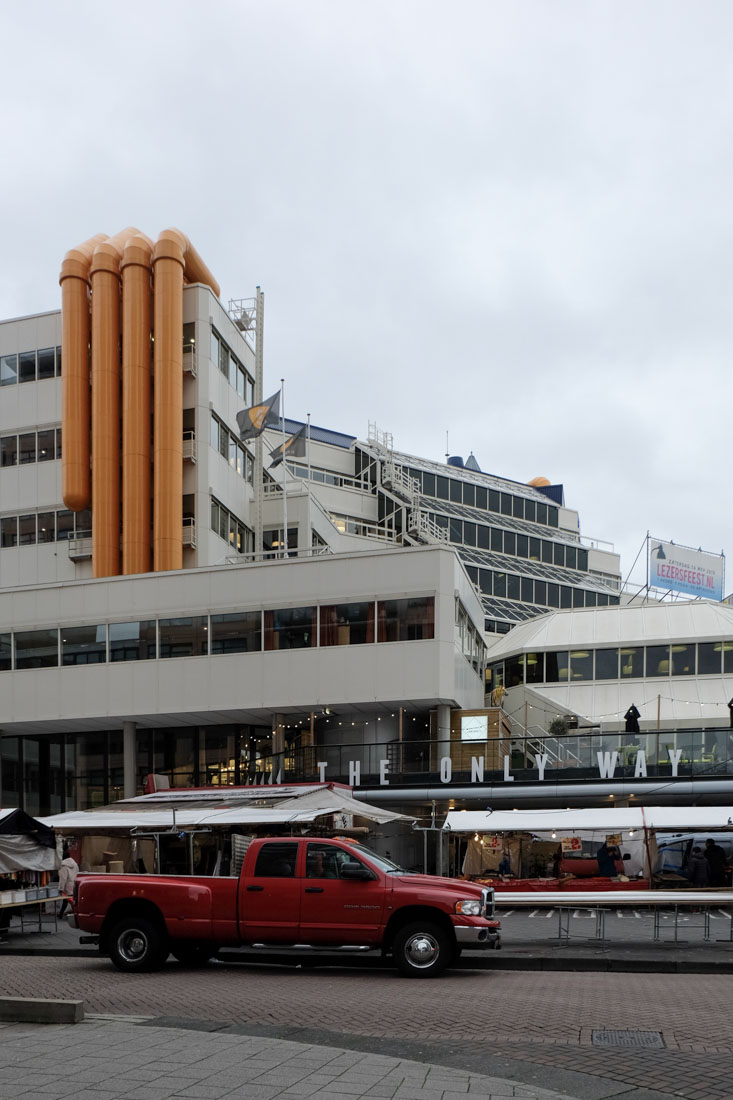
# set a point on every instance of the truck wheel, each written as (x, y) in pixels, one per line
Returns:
(193, 954)
(422, 950)
(137, 945)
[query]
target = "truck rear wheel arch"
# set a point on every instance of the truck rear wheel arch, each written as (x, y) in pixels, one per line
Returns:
(131, 908)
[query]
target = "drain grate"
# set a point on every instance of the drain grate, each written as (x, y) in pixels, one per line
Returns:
(617, 1038)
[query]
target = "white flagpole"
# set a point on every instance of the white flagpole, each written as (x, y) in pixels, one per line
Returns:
(308, 449)
(284, 471)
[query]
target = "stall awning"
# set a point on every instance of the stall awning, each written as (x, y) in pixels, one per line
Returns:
(604, 818)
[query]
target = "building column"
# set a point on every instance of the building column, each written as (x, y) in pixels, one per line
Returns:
(443, 731)
(129, 754)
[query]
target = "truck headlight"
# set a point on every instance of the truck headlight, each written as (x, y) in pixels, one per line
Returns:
(469, 907)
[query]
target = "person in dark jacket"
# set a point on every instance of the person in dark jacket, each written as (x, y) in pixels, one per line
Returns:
(697, 868)
(717, 862)
(607, 857)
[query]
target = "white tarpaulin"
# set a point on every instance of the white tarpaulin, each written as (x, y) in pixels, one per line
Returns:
(604, 818)
(23, 853)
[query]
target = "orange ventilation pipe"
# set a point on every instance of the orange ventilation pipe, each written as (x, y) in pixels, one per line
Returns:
(136, 371)
(74, 281)
(173, 256)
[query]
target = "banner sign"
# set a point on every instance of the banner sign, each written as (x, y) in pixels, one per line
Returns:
(683, 570)
(571, 844)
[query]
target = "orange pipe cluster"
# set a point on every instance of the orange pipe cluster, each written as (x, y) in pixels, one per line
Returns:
(110, 289)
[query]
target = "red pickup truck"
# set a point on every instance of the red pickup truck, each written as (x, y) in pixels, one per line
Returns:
(292, 893)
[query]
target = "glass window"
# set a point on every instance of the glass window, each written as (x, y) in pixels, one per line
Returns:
(9, 450)
(214, 433)
(58, 361)
(27, 366)
(518, 507)
(494, 501)
(46, 363)
(581, 664)
(238, 632)
(485, 581)
(232, 452)
(241, 383)
(83, 645)
(240, 459)
(290, 628)
(347, 624)
(36, 648)
(214, 351)
(527, 590)
(708, 658)
(553, 516)
(189, 336)
(553, 594)
(591, 599)
(482, 537)
(223, 358)
(8, 370)
(46, 526)
(456, 530)
(232, 533)
(26, 530)
(582, 559)
(277, 860)
(406, 620)
(497, 539)
(540, 592)
(683, 659)
(6, 653)
(535, 668)
(223, 523)
(578, 597)
(27, 447)
(469, 533)
(505, 505)
(727, 657)
(456, 491)
(606, 664)
(482, 497)
(132, 641)
(64, 525)
(83, 524)
(557, 667)
(541, 513)
(566, 596)
(46, 445)
(515, 671)
(510, 543)
(522, 546)
(58, 443)
(428, 484)
(558, 553)
(186, 636)
(214, 516)
(9, 531)
(469, 495)
(571, 557)
(547, 551)
(657, 660)
(233, 371)
(500, 584)
(530, 510)
(513, 587)
(534, 549)
(632, 663)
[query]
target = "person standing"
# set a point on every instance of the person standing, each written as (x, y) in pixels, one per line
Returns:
(606, 857)
(716, 860)
(697, 868)
(730, 708)
(68, 871)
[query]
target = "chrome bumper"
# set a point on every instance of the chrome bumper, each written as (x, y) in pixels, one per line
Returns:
(479, 939)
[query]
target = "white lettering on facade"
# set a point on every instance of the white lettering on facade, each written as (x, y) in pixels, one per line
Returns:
(354, 773)
(446, 769)
(675, 756)
(477, 769)
(322, 765)
(607, 762)
(383, 769)
(540, 760)
(507, 777)
(640, 767)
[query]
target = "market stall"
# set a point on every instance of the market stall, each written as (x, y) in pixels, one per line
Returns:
(28, 861)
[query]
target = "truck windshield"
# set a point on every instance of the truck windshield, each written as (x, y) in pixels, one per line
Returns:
(381, 862)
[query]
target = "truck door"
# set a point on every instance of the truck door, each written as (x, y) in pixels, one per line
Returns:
(335, 909)
(269, 898)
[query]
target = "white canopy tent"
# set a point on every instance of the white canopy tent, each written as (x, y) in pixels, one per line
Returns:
(25, 844)
(602, 818)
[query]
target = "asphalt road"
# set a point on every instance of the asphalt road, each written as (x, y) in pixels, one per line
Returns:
(534, 1028)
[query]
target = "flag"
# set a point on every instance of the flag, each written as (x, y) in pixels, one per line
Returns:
(253, 421)
(294, 448)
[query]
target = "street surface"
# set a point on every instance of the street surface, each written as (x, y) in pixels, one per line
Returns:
(534, 1028)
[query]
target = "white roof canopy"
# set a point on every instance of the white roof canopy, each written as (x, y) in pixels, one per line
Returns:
(606, 818)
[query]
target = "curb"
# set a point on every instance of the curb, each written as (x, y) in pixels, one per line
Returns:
(38, 1010)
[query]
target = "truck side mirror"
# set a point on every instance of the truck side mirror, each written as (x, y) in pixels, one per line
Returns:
(355, 870)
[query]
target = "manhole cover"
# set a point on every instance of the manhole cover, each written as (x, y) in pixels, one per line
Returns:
(628, 1039)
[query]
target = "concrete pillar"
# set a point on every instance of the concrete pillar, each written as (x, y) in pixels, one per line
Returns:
(443, 731)
(129, 759)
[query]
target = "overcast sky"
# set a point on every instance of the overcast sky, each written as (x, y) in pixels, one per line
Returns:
(511, 222)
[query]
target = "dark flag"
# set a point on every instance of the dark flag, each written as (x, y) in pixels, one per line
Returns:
(293, 448)
(253, 421)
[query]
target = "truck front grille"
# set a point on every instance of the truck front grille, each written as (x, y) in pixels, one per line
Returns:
(487, 903)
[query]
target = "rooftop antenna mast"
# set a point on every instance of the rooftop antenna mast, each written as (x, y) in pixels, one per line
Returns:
(447, 452)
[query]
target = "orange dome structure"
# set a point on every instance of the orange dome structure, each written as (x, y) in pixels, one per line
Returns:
(539, 482)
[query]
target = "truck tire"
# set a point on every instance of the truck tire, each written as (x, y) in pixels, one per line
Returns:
(193, 954)
(422, 950)
(136, 945)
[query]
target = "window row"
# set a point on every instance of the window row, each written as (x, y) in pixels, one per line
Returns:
(625, 663)
(230, 449)
(480, 496)
(358, 623)
(509, 586)
(18, 450)
(468, 638)
(44, 527)
(466, 533)
(225, 359)
(231, 529)
(30, 366)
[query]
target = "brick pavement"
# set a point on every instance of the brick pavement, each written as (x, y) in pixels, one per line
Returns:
(470, 1019)
(104, 1060)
